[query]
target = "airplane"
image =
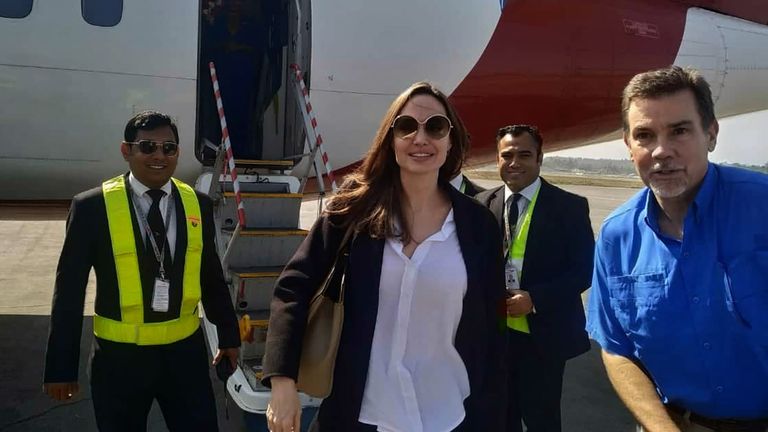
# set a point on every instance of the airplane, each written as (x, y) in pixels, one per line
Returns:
(73, 71)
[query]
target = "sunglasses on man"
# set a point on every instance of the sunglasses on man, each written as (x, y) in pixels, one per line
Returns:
(148, 147)
(437, 126)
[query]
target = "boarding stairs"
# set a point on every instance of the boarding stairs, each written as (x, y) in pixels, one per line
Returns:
(257, 242)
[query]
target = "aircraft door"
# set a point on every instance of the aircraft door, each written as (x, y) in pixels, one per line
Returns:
(250, 42)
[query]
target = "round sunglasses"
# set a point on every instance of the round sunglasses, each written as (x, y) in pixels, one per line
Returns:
(148, 147)
(437, 126)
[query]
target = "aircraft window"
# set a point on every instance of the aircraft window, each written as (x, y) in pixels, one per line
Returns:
(15, 8)
(102, 13)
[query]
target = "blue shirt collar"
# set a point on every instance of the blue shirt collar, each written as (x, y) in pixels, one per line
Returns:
(700, 203)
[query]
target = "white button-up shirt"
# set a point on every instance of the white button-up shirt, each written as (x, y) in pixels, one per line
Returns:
(522, 205)
(417, 382)
(140, 190)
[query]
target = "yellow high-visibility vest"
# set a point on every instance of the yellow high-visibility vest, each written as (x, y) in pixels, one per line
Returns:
(131, 328)
(516, 254)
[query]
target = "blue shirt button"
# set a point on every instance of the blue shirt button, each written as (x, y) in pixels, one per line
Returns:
(695, 300)
(707, 345)
(719, 389)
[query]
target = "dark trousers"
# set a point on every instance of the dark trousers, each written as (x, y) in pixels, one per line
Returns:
(535, 386)
(126, 379)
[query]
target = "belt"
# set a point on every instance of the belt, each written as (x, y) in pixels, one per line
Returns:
(721, 425)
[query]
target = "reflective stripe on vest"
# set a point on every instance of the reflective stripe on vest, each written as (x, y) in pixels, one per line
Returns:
(516, 254)
(132, 328)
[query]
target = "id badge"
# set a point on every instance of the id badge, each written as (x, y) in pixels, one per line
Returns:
(160, 295)
(511, 278)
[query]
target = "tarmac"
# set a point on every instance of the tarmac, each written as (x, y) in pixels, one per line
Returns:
(30, 242)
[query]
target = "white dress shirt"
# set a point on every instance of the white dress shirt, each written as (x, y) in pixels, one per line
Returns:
(145, 201)
(522, 204)
(417, 382)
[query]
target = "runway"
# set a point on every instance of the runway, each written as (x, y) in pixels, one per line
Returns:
(30, 242)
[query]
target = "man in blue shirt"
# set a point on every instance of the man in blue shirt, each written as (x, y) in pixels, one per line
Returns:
(679, 298)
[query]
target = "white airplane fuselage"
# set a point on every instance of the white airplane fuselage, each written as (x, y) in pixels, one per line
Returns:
(68, 87)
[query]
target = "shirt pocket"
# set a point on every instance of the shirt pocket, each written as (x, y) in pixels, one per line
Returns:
(637, 301)
(746, 288)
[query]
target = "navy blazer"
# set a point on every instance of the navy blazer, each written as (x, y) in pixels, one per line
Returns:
(480, 339)
(471, 188)
(557, 267)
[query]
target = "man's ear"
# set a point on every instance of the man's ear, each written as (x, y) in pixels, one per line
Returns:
(712, 132)
(629, 149)
(125, 149)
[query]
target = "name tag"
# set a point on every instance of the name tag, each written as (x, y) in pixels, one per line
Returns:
(511, 277)
(160, 295)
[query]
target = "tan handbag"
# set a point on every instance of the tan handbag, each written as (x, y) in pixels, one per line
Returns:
(323, 331)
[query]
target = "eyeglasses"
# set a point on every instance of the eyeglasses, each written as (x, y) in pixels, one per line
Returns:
(437, 126)
(148, 147)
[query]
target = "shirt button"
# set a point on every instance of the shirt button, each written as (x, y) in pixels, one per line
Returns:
(707, 345)
(719, 389)
(695, 300)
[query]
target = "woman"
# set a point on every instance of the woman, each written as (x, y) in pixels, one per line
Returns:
(422, 348)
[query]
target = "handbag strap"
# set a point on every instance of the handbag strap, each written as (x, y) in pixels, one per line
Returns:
(339, 252)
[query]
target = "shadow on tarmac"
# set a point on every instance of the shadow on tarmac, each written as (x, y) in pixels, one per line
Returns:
(24, 407)
(589, 403)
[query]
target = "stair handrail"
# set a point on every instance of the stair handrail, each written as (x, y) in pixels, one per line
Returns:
(314, 138)
(229, 163)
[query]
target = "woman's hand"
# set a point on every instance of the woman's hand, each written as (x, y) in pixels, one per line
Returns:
(284, 410)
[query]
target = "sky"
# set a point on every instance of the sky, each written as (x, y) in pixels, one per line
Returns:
(742, 139)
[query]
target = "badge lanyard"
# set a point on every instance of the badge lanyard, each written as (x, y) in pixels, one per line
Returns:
(159, 253)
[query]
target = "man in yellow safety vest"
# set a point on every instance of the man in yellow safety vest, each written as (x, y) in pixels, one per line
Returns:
(150, 239)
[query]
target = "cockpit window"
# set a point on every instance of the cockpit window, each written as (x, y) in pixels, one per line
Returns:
(102, 13)
(15, 8)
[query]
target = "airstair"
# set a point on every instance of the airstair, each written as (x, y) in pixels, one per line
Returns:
(257, 208)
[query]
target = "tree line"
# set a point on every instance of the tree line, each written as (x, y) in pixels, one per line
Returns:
(615, 167)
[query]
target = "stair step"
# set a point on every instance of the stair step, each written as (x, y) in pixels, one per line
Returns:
(253, 346)
(254, 286)
(263, 210)
(282, 164)
(263, 247)
(253, 372)
(264, 195)
(256, 187)
(256, 272)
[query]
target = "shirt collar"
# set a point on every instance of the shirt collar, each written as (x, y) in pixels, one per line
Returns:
(449, 226)
(140, 189)
(528, 192)
(457, 181)
(700, 203)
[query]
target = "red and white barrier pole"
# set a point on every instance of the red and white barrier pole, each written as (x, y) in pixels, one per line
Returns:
(230, 159)
(307, 111)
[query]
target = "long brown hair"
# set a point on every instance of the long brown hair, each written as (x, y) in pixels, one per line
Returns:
(369, 198)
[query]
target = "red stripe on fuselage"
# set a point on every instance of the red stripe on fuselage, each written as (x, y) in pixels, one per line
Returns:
(562, 68)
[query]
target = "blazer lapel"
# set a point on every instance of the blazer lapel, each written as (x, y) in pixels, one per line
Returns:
(181, 229)
(496, 205)
(539, 220)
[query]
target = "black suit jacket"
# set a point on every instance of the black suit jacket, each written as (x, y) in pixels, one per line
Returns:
(471, 188)
(480, 339)
(557, 267)
(88, 244)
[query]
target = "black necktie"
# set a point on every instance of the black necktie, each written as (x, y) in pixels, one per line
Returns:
(512, 216)
(155, 220)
